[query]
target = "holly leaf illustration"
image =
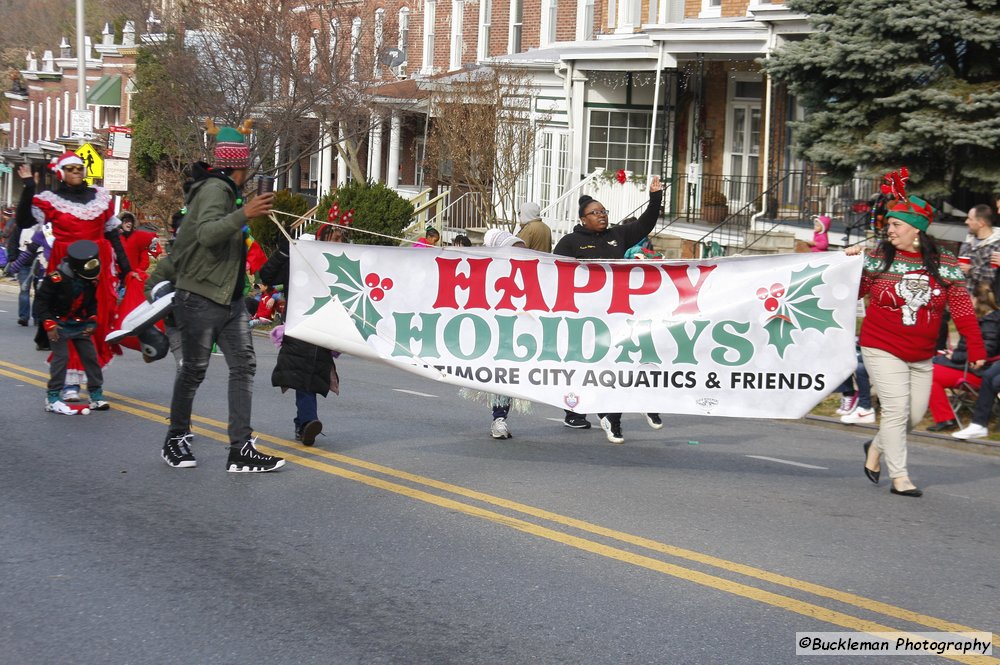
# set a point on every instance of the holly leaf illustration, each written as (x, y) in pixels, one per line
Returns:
(348, 288)
(779, 331)
(800, 310)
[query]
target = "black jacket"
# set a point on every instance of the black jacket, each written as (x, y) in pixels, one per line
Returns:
(300, 365)
(613, 243)
(989, 325)
(64, 298)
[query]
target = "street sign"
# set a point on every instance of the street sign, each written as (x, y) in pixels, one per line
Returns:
(81, 122)
(93, 161)
(116, 175)
(119, 142)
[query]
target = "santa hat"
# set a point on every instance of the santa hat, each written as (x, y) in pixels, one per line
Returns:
(62, 161)
(231, 150)
(914, 211)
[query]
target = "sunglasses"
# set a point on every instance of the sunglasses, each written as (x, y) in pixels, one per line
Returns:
(599, 212)
(73, 168)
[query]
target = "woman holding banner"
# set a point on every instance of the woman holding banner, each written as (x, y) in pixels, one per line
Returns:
(592, 239)
(909, 281)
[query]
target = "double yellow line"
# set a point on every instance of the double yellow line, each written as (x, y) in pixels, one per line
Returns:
(417, 488)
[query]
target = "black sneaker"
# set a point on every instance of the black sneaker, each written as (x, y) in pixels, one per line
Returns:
(654, 420)
(248, 460)
(177, 451)
(576, 421)
(307, 433)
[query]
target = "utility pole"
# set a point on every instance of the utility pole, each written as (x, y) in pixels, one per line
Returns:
(81, 57)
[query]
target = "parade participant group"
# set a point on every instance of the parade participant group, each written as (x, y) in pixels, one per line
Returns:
(96, 267)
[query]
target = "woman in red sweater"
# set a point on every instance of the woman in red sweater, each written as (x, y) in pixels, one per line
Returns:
(909, 281)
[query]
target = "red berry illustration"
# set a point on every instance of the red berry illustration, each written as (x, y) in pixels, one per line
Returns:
(386, 283)
(377, 294)
(777, 290)
(371, 280)
(771, 304)
(761, 293)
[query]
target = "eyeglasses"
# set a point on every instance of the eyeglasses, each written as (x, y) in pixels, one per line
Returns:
(73, 168)
(599, 212)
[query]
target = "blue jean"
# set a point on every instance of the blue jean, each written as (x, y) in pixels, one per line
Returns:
(201, 324)
(26, 278)
(983, 409)
(305, 408)
(864, 386)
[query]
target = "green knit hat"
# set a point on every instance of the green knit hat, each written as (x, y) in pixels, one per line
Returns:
(916, 212)
(231, 150)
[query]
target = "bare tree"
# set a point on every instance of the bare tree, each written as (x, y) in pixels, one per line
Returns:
(484, 135)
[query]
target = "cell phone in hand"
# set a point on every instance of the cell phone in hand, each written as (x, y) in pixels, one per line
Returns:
(265, 184)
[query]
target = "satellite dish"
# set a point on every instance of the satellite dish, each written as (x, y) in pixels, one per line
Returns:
(393, 57)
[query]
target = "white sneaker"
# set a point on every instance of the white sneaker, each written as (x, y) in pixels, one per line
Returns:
(613, 432)
(859, 415)
(847, 404)
(973, 431)
(61, 407)
(499, 429)
(70, 395)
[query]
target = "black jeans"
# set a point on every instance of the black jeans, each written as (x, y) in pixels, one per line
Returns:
(201, 324)
(87, 352)
(987, 395)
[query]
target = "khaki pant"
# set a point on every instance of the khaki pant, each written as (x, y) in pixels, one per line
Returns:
(903, 389)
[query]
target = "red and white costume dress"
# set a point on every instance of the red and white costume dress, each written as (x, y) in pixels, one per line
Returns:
(72, 221)
(138, 245)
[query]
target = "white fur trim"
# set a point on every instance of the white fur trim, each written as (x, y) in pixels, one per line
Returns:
(84, 211)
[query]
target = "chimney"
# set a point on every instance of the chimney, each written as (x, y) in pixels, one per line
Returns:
(32, 62)
(87, 48)
(48, 62)
(107, 35)
(65, 51)
(128, 34)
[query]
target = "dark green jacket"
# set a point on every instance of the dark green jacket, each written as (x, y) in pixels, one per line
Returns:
(209, 252)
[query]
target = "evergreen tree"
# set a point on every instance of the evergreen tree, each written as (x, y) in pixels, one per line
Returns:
(890, 83)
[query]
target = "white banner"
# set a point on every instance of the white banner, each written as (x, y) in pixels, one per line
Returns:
(765, 337)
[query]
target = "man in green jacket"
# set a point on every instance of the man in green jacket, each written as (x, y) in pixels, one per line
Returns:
(208, 258)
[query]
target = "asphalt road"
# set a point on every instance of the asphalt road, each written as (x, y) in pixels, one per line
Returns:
(408, 535)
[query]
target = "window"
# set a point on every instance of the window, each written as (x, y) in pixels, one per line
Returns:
(620, 140)
(430, 7)
(485, 19)
(379, 38)
(334, 38)
(585, 20)
(313, 50)
(516, 26)
(710, 9)
(355, 47)
(457, 20)
(404, 38)
(550, 10)
(295, 64)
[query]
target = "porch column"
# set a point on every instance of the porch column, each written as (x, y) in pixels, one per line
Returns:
(395, 138)
(31, 122)
(326, 160)
(48, 119)
(341, 162)
(375, 150)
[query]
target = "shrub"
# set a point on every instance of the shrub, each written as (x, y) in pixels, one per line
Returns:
(376, 208)
(264, 231)
(713, 197)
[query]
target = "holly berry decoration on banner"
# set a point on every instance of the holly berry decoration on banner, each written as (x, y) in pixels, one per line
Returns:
(793, 306)
(621, 176)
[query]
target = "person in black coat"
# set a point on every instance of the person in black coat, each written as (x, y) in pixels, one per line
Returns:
(303, 367)
(593, 239)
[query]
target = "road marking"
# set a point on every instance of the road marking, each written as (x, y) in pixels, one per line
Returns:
(290, 451)
(413, 392)
(785, 461)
